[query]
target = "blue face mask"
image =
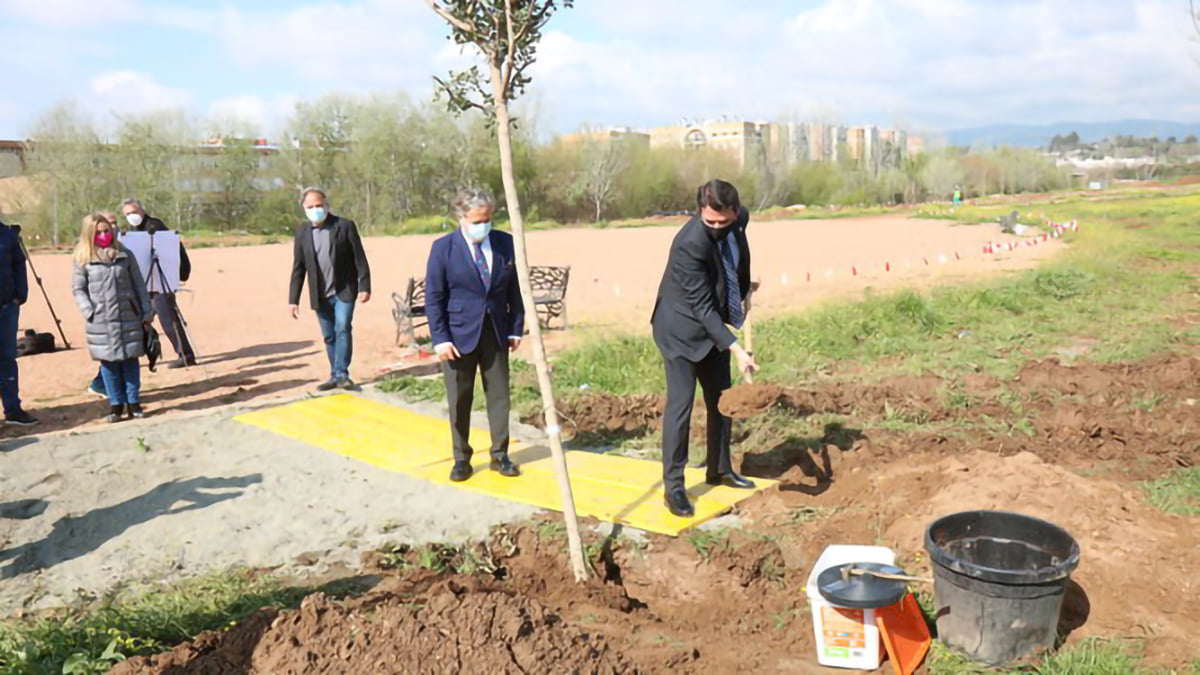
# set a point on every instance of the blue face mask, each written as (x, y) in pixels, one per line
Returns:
(315, 214)
(477, 231)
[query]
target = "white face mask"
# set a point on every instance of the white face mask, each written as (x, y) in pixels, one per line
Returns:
(476, 231)
(315, 214)
(134, 219)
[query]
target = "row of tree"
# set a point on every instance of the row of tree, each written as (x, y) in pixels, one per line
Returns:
(388, 161)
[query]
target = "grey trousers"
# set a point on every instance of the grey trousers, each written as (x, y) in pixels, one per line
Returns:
(168, 318)
(490, 359)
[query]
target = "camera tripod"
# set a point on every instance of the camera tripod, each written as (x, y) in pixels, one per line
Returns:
(156, 272)
(41, 286)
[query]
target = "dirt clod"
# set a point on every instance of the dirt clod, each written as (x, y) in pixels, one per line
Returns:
(747, 400)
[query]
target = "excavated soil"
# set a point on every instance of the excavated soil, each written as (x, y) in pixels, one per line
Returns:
(747, 400)
(449, 630)
(735, 602)
(605, 415)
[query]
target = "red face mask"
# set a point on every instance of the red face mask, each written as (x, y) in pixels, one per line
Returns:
(104, 239)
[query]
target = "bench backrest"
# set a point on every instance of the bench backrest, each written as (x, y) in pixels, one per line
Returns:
(540, 279)
(549, 278)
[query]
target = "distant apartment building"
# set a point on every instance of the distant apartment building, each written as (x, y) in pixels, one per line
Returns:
(894, 143)
(13, 158)
(914, 145)
(789, 142)
(623, 134)
(837, 140)
(739, 139)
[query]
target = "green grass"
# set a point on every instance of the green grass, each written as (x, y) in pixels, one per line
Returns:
(1088, 657)
(1112, 286)
(706, 542)
(414, 389)
(91, 639)
(1177, 493)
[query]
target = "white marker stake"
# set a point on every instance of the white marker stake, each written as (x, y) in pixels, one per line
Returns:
(783, 280)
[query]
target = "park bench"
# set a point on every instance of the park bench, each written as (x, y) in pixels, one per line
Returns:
(549, 299)
(1008, 223)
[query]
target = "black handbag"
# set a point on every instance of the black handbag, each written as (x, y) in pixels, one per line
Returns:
(152, 345)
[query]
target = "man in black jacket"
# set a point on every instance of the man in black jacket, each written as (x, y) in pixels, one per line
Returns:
(164, 302)
(329, 253)
(703, 288)
(14, 291)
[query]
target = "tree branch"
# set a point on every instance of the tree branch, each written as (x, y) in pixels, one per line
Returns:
(510, 59)
(458, 23)
(535, 20)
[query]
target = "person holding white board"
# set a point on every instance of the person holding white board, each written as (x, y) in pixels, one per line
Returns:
(164, 298)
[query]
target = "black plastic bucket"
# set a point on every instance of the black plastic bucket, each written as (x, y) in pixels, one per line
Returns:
(999, 580)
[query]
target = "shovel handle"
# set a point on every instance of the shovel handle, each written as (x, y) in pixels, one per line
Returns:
(858, 572)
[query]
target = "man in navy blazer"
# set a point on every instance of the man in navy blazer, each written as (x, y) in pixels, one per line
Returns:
(476, 317)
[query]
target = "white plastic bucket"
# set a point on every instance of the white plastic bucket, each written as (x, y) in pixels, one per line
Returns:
(846, 638)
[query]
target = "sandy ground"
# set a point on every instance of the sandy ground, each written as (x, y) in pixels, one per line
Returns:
(251, 348)
(159, 500)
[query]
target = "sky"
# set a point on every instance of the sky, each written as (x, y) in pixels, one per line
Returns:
(917, 64)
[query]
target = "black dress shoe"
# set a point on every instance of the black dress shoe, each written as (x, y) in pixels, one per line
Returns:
(679, 504)
(328, 385)
(461, 472)
(347, 384)
(505, 468)
(732, 480)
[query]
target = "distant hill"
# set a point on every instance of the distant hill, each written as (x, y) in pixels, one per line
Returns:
(1089, 132)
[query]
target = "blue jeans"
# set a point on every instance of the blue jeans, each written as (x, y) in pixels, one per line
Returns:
(122, 381)
(10, 315)
(336, 317)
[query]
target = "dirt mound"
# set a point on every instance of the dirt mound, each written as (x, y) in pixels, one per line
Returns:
(608, 415)
(747, 400)
(1137, 566)
(451, 631)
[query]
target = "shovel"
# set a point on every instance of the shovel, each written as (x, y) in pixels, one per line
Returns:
(748, 328)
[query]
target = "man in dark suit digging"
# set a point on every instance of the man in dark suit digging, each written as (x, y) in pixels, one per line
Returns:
(704, 287)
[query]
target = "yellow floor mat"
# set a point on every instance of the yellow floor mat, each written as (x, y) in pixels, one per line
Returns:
(608, 487)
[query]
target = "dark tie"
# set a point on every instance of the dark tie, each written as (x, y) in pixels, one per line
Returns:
(733, 292)
(481, 265)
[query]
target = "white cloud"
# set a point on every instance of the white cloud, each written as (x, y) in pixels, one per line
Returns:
(946, 63)
(59, 13)
(936, 63)
(262, 115)
(129, 92)
(377, 44)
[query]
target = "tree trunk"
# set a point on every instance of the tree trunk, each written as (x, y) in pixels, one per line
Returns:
(578, 564)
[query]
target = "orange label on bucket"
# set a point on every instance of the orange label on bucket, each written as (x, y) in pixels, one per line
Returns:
(843, 627)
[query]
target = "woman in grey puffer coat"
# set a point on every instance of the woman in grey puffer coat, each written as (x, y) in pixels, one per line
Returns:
(111, 292)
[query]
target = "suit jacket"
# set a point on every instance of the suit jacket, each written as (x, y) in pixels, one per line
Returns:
(351, 274)
(456, 300)
(151, 224)
(14, 282)
(690, 312)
